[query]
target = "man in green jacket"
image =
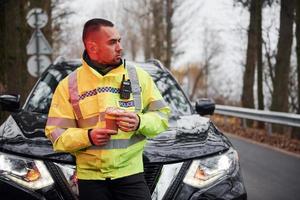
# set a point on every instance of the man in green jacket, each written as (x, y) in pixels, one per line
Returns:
(108, 155)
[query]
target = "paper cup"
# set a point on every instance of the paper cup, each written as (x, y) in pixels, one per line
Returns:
(110, 122)
(110, 119)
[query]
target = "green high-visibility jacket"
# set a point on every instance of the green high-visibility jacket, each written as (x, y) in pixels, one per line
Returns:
(79, 103)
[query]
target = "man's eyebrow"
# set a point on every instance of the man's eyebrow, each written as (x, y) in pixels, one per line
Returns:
(114, 39)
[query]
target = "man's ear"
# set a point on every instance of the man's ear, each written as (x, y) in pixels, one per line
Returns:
(91, 47)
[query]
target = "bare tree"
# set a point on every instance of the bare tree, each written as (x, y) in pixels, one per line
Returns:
(296, 131)
(156, 27)
(190, 76)
(260, 71)
(60, 28)
(282, 67)
(254, 57)
(196, 75)
(251, 58)
(269, 62)
(270, 57)
(170, 7)
(199, 73)
(298, 50)
(137, 28)
(15, 34)
(260, 94)
(280, 101)
(211, 51)
(292, 90)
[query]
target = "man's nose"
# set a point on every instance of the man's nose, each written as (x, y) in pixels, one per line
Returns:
(119, 46)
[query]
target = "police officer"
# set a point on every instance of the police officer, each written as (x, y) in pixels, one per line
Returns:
(108, 156)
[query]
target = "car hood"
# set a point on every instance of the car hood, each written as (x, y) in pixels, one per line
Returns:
(23, 134)
(187, 138)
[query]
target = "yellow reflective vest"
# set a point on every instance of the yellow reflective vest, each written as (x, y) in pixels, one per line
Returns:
(78, 105)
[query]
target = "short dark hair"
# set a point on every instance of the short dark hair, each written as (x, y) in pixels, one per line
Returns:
(94, 25)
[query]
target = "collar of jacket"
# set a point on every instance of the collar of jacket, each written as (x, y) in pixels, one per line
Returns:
(116, 71)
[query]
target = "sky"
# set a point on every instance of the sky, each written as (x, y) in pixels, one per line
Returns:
(227, 23)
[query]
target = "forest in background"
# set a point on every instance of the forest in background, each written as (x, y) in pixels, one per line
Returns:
(151, 31)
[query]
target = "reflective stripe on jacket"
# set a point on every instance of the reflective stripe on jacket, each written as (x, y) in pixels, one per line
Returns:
(78, 104)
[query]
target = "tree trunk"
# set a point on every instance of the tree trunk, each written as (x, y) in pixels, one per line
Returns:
(15, 37)
(2, 45)
(247, 94)
(282, 67)
(2, 54)
(158, 29)
(146, 36)
(298, 49)
(260, 94)
(169, 49)
(198, 76)
(296, 131)
(15, 34)
(156, 26)
(13, 52)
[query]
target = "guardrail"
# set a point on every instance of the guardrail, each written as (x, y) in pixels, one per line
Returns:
(270, 117)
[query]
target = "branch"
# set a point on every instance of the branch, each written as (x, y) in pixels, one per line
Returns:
(269, 57)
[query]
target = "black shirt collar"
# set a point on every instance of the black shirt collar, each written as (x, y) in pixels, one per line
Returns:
(100, 68)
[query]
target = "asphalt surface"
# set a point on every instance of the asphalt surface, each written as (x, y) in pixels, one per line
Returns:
(268, 174)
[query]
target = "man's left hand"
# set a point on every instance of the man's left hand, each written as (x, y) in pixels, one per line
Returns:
(128, 121)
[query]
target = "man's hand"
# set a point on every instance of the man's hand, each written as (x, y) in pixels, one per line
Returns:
(128, 121)
(101, 136)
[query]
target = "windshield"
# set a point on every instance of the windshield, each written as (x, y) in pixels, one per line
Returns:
(41, 97)
(171, 91)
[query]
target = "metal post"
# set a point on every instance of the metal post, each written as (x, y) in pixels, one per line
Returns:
(225, 120)
(269, 128)
(37, 43)
(244, 123)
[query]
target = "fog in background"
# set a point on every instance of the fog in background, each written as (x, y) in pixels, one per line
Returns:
(217, 20)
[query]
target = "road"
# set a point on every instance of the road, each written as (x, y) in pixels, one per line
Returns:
(268, 174)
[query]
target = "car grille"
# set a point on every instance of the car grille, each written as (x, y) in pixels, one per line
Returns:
(152, 172)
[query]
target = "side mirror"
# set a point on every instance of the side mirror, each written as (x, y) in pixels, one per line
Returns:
(10, 102)
(205, 107)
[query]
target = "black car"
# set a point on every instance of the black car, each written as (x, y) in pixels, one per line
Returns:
(192, 160)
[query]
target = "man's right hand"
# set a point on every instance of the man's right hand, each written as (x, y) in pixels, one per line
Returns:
(101, 136)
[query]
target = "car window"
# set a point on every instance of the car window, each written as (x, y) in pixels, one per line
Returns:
(41, 96)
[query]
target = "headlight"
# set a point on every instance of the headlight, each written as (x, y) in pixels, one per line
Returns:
(205, 172)
(28, 173)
